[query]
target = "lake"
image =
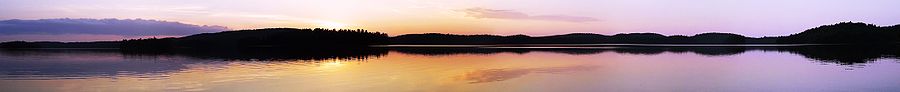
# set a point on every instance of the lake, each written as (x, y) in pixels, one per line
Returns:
(460, 69)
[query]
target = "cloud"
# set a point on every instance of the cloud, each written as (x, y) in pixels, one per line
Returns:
(120, 27)
(511, 14)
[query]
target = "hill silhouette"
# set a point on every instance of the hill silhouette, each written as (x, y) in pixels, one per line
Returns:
(846, 32)
(840, 33)
(579, 38)
(264, 38)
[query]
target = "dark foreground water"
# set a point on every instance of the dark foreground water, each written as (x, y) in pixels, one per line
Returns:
(514, 69)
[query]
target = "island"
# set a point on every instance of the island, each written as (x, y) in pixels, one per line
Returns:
(320, 38)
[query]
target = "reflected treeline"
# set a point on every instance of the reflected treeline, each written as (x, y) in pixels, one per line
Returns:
(843, 55)
(262, 54)
(269, 54)
(708, 51)
(41, 64)
(59, 63)
(838, 54)
(846, 55)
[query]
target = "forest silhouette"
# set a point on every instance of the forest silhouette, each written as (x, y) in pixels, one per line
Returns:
(319, 38)
(859, 43)
(841, 33)
(833, 54)
(284, 38)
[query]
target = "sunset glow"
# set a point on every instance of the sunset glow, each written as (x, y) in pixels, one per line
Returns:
(449, 45)
(502, 17)
(332, 24)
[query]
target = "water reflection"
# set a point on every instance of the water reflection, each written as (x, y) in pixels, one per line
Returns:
(78, 64)
(494, 75)
(841, 55)
(272, 54)
(49, 63)
(454, 69)
(846, 55)
(44, 64)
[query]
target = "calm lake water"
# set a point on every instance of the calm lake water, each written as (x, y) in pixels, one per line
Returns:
(612, 69)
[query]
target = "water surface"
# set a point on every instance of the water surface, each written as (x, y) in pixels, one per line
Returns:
(619, 69)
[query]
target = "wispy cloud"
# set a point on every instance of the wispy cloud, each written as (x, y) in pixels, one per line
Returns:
(123, 27)
(96, 29)
(512, 14)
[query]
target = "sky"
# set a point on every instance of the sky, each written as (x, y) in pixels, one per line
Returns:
(755, 18)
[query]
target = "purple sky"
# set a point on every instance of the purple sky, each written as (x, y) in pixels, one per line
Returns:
(506, 17)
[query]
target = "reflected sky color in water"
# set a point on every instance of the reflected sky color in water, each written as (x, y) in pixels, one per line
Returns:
(494, 75)
(513, 70)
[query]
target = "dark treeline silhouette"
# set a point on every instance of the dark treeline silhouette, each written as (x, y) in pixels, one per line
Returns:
(841, 33)
(836, 54)
(579, 38)
(285, 38)
(846, 32)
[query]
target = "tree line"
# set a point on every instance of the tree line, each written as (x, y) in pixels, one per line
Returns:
(264, 38)
(840, 33)
(579, 38)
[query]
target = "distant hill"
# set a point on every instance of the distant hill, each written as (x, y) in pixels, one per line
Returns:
(578, 38)
(841, 33)
(846, 32)
(287, 37)
(264, 38)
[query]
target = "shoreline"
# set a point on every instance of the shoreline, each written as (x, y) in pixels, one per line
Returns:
(596, 45)
(527, 46)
